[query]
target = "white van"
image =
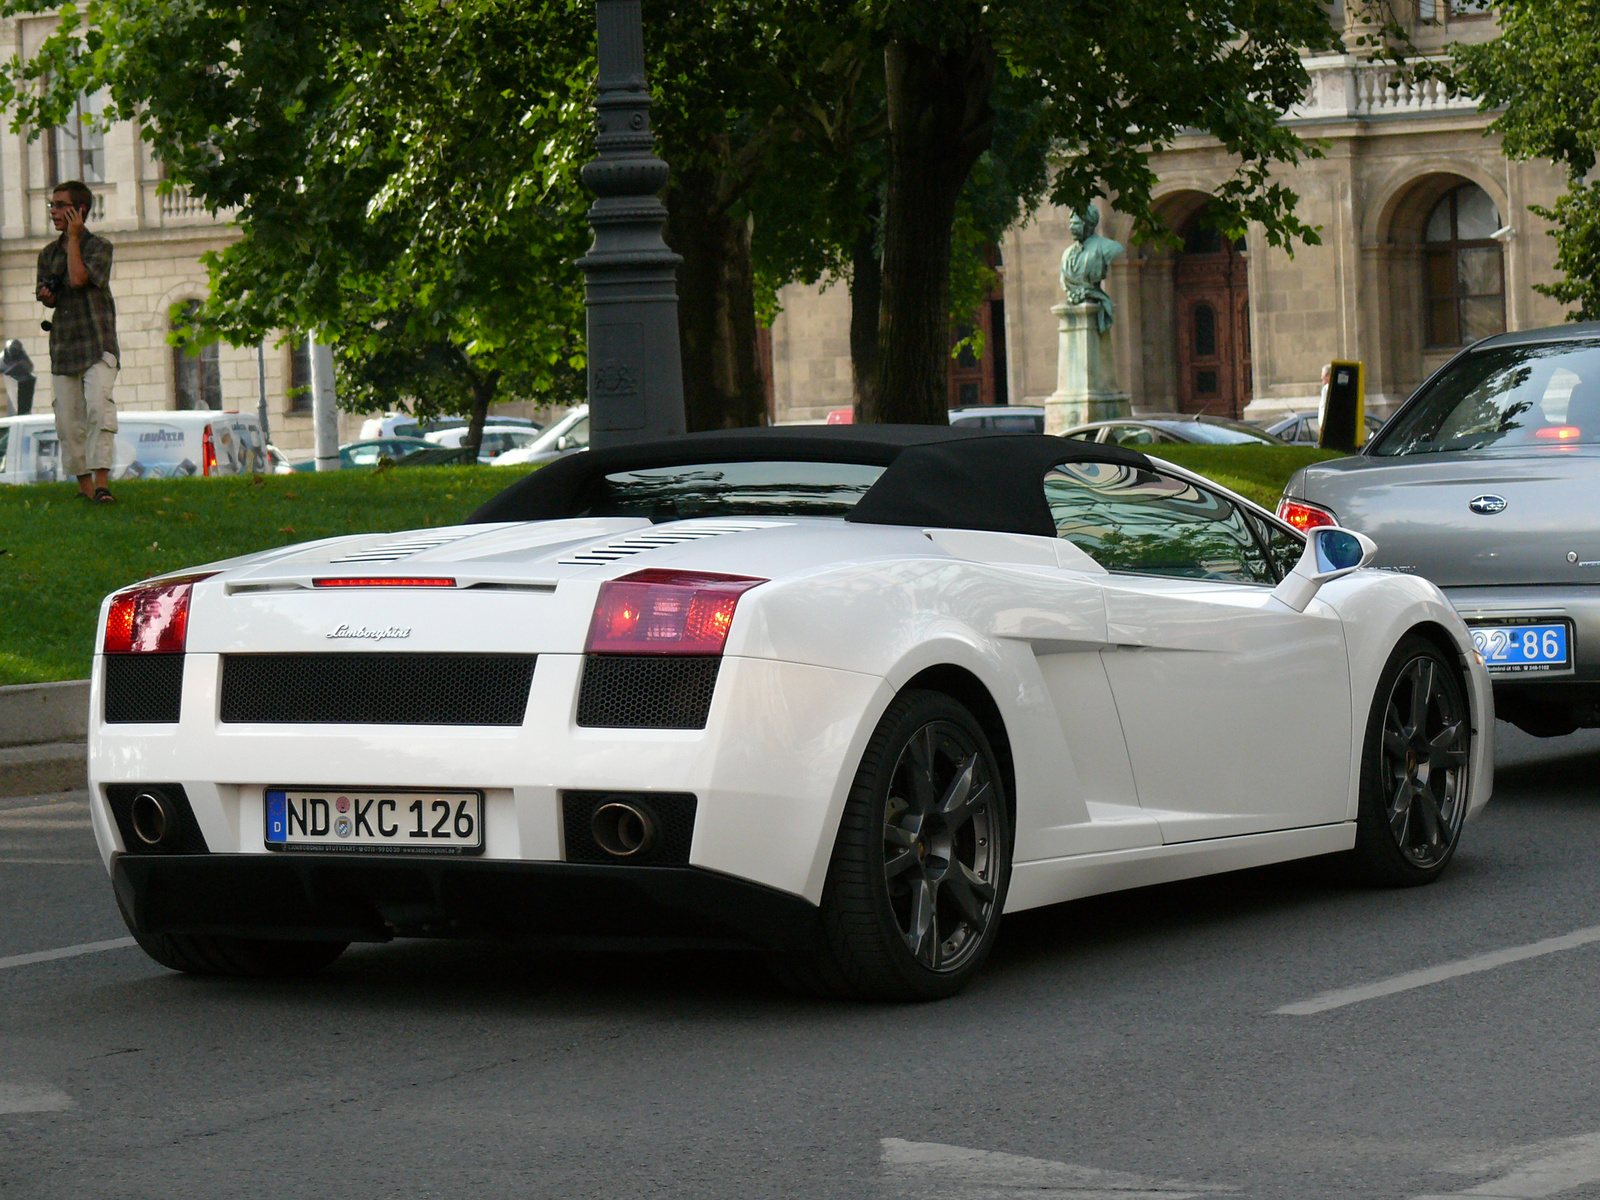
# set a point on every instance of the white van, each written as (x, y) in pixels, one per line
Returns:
(150, 445)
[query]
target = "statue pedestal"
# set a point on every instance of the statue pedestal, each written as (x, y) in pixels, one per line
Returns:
(1086, 372)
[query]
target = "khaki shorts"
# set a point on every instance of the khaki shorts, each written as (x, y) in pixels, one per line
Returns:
(86, 418)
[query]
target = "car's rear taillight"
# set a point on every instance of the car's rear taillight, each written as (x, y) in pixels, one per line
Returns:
(666, 612)
(1559, 433)
(208, 453)
(1304, 516)
(152, 618)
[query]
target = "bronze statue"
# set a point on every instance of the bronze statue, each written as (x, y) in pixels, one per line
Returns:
(1085, 263)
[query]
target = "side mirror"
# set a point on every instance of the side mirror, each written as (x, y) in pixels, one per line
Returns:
(1330, 553)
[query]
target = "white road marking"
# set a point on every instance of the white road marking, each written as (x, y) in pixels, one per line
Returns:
(930, 1169)
(39, 956)
(1575, 1163)
(1416, 979)
(32, 1096)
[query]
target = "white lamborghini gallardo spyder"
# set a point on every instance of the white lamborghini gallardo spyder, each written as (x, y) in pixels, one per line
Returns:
(839, 695)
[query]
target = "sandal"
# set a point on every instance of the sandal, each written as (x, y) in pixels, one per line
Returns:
(103, 496)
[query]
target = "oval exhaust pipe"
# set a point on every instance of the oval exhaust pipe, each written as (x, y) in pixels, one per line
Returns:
(623, 830)
(150, 818)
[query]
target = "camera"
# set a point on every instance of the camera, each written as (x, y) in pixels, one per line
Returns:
(56, 284)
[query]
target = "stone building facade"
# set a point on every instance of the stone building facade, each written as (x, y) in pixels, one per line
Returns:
(1427, 243)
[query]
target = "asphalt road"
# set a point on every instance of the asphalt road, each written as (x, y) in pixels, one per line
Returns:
(1122, 1047)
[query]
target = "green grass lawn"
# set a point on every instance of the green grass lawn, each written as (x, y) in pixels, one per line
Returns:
(59, 555)
(1255, 472)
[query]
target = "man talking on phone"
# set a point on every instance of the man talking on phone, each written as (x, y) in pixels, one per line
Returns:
(74, 278)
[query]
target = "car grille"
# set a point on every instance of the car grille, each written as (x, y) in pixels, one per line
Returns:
(647, 691)
(376, 689)
(143, 688)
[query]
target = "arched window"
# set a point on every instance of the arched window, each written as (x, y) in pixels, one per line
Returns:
(1464, 269)
(196, 381)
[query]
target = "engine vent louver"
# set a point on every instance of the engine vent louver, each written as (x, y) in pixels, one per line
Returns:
(394, 551)
(642, 542)
(375, 689)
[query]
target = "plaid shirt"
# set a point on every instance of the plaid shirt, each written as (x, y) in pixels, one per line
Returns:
(84, 326)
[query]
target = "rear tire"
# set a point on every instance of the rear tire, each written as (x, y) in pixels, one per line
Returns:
(1414, 769)
(256, 958)
(918, 879)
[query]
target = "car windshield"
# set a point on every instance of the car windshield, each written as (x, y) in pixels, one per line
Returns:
(741, 489)
(1218, 434)
(1507, 397)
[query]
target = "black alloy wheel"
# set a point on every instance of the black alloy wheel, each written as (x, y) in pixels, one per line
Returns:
(920, 868)
(1414, 770)
(938, 845)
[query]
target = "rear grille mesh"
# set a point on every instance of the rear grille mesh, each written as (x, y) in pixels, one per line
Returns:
(143, 688)
(647, 691)
(376, 689)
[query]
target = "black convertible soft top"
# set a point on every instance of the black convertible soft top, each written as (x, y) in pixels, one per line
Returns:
(936, 476)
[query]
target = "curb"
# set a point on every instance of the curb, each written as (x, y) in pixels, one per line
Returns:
(36, 770)
(44, 728)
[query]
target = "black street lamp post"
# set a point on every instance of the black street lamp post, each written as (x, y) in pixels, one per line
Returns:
(630, 276)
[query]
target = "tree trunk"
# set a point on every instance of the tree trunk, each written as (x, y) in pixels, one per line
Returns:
(866, 294)
(483, 390)
(940, 122)
(722, 386)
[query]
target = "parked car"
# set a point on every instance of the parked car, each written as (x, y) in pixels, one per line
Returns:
(566, 436)
(370, 451)
(497, 439)
(390, 425)
(149, 445)
(1165, 429)
(434, 424)
(794, 691)
(1013, 418)
(1303, 428)
(1487, 482)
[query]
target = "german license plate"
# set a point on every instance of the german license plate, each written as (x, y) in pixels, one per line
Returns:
(403, 822)
(1520, 645)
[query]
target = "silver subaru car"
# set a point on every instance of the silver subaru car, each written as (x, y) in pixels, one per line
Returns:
(1487, 482)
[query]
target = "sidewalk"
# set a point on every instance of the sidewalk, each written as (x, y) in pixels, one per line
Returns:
(43, 731)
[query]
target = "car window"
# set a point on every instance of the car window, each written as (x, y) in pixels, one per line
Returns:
(5, 440)
(1139, 521)
(809, 489)
(1509, 396)
(1216, 434)
(1284, 546)
(576, 438)
(408, 430)
(364, 455)
(1130, 435)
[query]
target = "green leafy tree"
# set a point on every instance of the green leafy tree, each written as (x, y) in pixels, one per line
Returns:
(1544, 72)
(397, 190)
(1116, 81)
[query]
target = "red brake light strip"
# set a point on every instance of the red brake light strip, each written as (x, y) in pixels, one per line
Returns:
(386, 581)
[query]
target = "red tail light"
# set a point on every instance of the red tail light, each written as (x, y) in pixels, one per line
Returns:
(666, 612)
(1560, 433)
(373, 581)
(208, 453)
(1304, 516)
(152, 618)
